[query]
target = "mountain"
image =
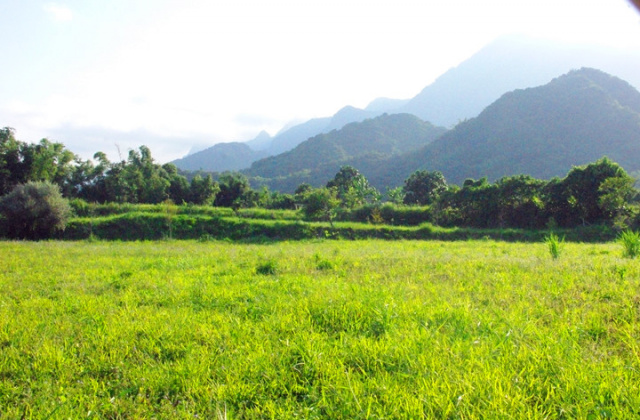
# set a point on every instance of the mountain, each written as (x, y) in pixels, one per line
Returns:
(362, 144)
(231, 156)
(386, 105)
(575, 119)
(261, 142)
(221, 157)
(292, 137)
(510, 63)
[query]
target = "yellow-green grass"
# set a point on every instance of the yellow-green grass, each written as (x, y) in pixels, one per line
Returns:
(324, 329)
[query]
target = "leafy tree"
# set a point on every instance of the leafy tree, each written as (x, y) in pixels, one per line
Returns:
(591, 193)
(280, 201)
(21, 162)
(179, 187)
(300, 192)
(352, 188)
(520, 201)
(137, 180)
(396, 195)
(303, 189)
(475, 204)
(249, 199)
(321, 204)
(48, 161)
(147, 181)
(203, 190)
(423, 187)
(615, 195)
(10, 161)
(35, 210)
(232, 186)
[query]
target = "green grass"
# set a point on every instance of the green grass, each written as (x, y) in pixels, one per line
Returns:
(630, 242)
(338, 329)
(554, 245)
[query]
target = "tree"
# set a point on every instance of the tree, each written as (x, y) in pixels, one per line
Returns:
(424, 187)
(10, 160)
(35, 210)
(232, 186)
(615, 195)
(203, 190)
(519, 201)
(352, 188)
(320, 204)
(22, 162)
(591, 194)
(475, 204)
(179, 188)
(396, 195)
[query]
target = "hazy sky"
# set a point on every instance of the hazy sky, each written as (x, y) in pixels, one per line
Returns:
(174, 74)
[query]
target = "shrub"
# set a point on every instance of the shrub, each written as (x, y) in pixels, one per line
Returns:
(35, 210)
(554, 245)
(630, 242)
(267, 268)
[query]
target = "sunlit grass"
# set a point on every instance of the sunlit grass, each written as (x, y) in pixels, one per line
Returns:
(630, 242)
(554, 245)
(324, 329)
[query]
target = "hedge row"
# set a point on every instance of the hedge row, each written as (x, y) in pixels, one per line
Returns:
(153, 226)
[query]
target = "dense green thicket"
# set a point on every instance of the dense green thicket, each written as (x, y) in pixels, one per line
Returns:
(35, 210)
(597, 193)
(138, 179)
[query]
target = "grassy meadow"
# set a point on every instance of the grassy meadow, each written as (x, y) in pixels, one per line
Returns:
(318, 329)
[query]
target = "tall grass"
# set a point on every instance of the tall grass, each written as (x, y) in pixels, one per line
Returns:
(630, 242)
(554, 245)
(402, 329)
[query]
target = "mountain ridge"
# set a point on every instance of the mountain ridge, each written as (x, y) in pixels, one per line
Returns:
(463, 91)
(375, 139)
(574, 119)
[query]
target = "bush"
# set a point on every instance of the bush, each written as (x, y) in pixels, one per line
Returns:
(630, 242)
(35, 210)
(267, 268)
(554, 244)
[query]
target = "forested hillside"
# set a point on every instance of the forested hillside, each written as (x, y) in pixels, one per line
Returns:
(543, 132)
(363, 145)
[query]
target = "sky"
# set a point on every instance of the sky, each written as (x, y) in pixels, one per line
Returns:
(174, 75)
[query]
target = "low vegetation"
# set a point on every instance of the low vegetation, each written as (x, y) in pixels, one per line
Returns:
(223, 317)
(630, 242)
(323, 329)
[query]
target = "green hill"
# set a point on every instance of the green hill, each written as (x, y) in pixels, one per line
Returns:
(363, 144)
(544, 131)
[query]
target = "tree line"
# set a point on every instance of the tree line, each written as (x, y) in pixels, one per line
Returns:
(600, 192)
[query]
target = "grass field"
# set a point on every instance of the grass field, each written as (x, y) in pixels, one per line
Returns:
(318, 329)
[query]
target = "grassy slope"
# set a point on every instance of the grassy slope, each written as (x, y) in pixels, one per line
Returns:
(362, 329)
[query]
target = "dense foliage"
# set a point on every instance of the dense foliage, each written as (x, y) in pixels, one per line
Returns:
(35, 210)
(597, 193)
(424, 187)
(138, 179)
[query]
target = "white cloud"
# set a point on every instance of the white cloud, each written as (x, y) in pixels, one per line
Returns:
(58, 12)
